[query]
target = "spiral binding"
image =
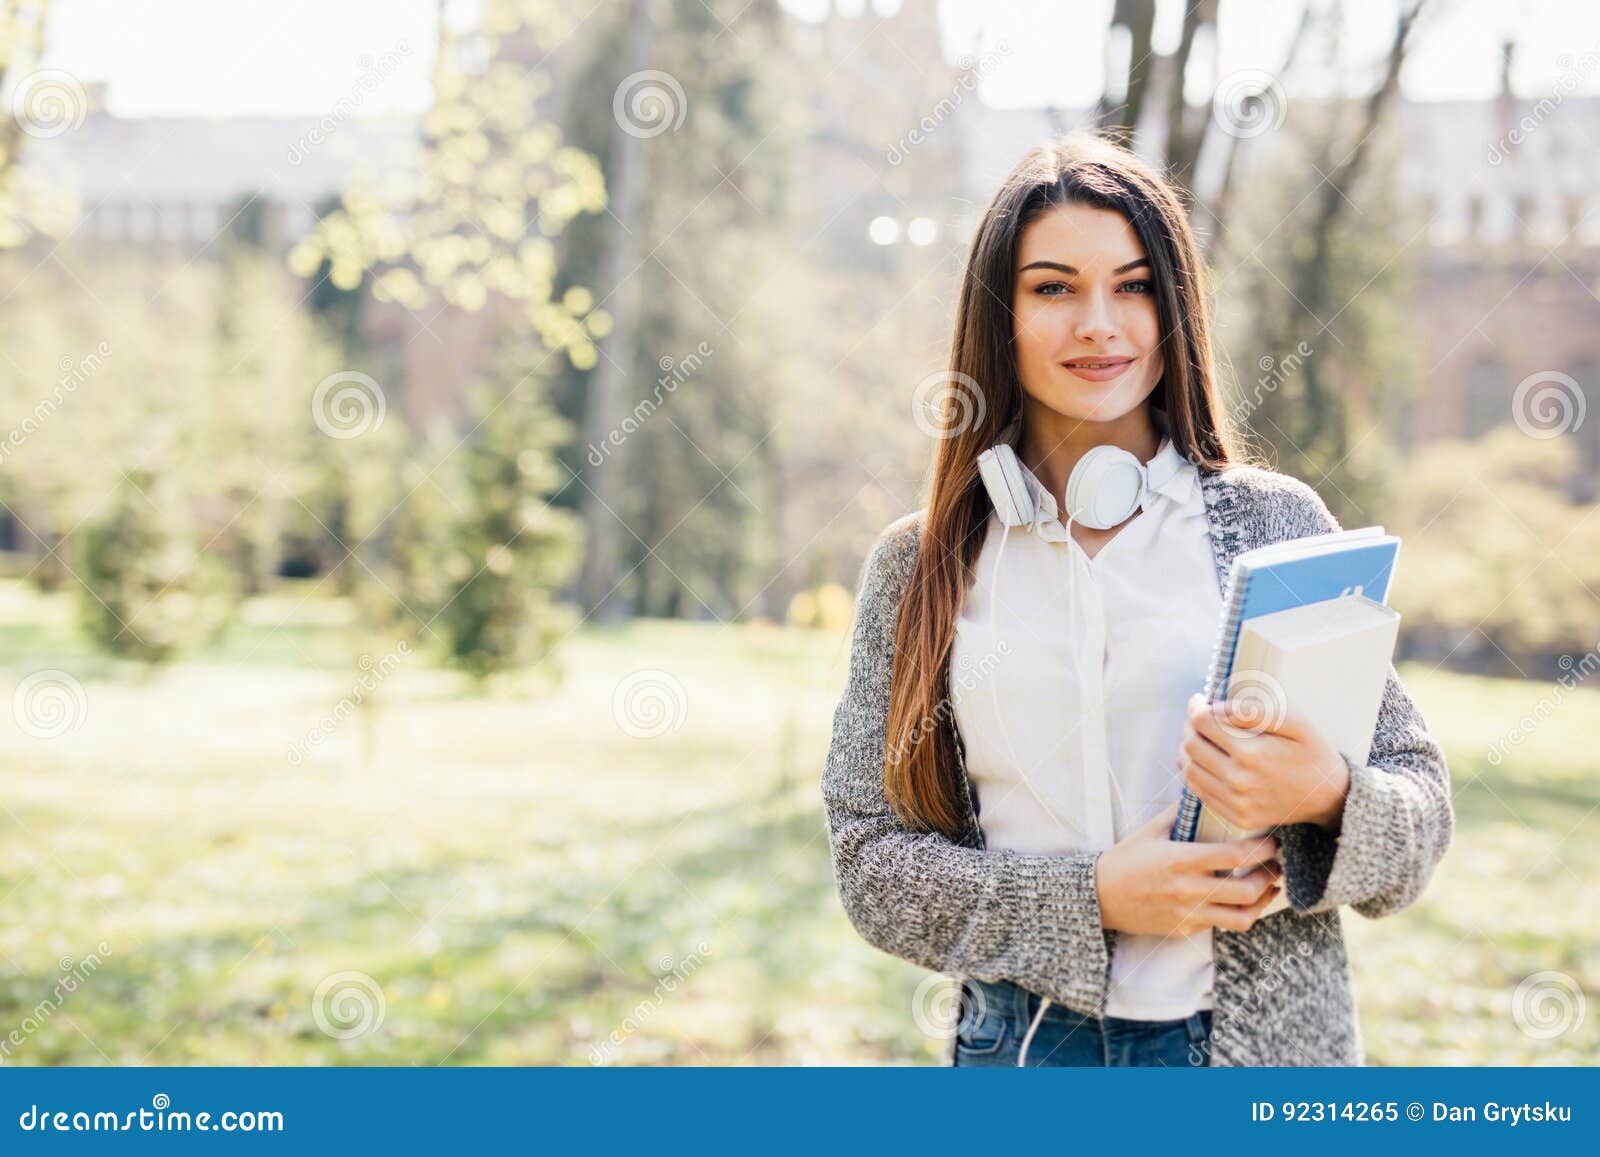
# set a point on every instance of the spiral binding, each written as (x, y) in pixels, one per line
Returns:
(1187, 825)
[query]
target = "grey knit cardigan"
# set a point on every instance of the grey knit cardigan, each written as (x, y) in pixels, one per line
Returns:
(1283, 990)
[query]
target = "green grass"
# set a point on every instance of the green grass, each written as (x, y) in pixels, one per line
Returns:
(517, 873)
(1517, 893)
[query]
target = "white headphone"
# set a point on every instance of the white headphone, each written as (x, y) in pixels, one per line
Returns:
(1106, 486)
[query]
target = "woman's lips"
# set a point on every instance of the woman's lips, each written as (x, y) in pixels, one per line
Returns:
(1098, 369)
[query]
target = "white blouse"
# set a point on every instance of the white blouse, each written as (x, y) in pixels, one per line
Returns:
(1069, 680)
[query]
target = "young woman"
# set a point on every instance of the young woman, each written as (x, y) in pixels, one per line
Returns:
(1020, 717)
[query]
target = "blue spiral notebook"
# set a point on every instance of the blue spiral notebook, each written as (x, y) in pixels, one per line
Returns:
(1284, 575)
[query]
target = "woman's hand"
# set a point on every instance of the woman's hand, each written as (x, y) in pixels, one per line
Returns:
(1260, 768)
(1149, 883)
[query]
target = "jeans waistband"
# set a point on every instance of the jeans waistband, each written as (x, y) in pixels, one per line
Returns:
(1020, 1004)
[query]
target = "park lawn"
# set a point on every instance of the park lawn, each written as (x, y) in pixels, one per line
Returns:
(512, 877)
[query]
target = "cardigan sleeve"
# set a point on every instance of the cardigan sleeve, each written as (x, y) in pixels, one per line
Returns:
(989, 915)
(1398, 817)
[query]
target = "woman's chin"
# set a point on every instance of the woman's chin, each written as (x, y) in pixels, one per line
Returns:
(1097, 401)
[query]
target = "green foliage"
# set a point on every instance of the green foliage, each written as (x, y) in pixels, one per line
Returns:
(397, 502)
(510, 548)
(40, 105)
(145, 590)
(1494, 545)
(201, 372)
(496, 186)
(250, 438)
(341, 311)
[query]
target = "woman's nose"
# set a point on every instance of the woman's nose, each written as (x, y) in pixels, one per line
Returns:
(1095, 323)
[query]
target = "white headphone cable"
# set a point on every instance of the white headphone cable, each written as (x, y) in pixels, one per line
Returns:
(1073, 583)
(1022, 1057)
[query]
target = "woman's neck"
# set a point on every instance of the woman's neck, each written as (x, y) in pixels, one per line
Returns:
(1052, 443)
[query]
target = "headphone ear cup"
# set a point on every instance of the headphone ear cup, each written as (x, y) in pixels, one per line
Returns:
(1107, 485)
(1002, 478)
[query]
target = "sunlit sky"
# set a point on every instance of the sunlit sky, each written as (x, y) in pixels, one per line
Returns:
(298, 57)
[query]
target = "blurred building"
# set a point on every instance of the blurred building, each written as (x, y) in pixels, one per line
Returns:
(173, 186)
(1508, 274)
(902, 156)
(1505, 258)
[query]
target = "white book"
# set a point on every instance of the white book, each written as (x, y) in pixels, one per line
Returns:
(1326, 661)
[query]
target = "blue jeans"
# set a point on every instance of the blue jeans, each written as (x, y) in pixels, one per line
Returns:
(995, 1019)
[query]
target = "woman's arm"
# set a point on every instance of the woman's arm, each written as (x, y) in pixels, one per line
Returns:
(1398, 818)
(990, 915)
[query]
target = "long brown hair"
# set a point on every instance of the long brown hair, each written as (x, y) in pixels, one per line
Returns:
(984, 395)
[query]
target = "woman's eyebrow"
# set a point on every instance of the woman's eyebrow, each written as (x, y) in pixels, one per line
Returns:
(1118, 271)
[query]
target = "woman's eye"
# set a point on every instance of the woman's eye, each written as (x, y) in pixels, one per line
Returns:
(1057, 288)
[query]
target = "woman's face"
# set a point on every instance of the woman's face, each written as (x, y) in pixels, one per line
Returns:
(1084, 294)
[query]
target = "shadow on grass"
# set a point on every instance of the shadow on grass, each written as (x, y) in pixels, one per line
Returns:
(752, 878)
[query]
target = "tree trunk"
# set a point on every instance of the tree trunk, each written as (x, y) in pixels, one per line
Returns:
(606, 402)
